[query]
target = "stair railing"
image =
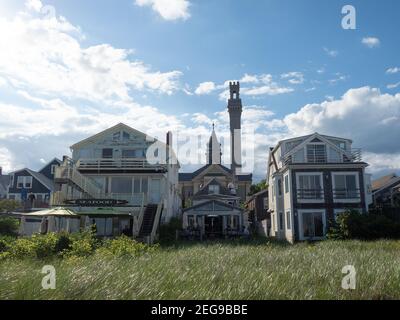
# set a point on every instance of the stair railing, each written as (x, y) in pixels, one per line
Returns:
(156, 222)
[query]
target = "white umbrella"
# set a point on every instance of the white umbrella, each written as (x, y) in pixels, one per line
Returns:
(59, 212)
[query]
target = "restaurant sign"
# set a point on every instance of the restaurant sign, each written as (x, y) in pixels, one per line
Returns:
(97, 202)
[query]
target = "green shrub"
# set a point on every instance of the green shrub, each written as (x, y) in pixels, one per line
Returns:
(64, 242)
(81, 245)
(7, 205)
(9, 226)
(353, 225)
(125, 246)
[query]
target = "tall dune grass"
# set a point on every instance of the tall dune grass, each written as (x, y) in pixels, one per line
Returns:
(216, 271)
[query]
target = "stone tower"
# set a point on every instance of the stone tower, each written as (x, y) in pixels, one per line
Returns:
(235, 114)
(213, 149)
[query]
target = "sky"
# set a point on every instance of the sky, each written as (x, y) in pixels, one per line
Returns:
(70, 69)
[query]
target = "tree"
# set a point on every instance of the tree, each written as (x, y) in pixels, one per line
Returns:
(262, 185)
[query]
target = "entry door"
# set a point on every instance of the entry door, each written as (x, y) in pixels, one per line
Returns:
(313, 224)
(155, 191)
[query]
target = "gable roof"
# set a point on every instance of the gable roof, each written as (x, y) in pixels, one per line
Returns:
(384, 182)
(120, 126)
(214, 181)
(39, 177)
(189, 176)
(51, 161)
(221, 203)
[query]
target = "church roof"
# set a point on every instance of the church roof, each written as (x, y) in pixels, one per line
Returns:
(190, 176)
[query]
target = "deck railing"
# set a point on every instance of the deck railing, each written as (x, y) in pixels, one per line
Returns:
(118, 164)
(343, 194)
(310, 194)
(354, 155)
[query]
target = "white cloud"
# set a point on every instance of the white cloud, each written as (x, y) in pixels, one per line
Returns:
(331, 53)
(45, 55)
(393, 70)
(205, 88)
(35, 5)
(393, 86)
(168, 9)
(365, 115)
(371, 42)
(294, 77)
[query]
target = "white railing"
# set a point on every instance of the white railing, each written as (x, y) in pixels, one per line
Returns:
(118, 164)
(156, 223)
(69, 172)
(354, 155)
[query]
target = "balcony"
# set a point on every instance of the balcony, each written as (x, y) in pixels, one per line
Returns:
(346, 194)
(354, 155)
(124, 164)
(310, 194)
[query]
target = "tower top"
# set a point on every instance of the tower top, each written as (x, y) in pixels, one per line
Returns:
(234, 89)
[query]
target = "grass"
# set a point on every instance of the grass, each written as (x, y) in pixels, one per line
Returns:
(259, 270)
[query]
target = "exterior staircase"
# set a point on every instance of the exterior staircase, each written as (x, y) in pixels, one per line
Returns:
(150, 222)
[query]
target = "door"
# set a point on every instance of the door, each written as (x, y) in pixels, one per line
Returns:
(213, 225)
(313, 225)
(155, 191)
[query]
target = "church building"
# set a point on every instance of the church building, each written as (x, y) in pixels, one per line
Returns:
(190, 184)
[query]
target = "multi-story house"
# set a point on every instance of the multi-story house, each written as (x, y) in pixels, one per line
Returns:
(33, 188)
(121, 179)
(311, 179)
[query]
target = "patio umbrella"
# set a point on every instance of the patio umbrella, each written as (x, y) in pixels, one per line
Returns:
(55, 212)
(52, 224)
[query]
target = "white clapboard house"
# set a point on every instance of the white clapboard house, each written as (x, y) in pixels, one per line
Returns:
(121, 180)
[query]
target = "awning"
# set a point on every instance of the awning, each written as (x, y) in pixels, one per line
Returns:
(55, 212)
(105, 212)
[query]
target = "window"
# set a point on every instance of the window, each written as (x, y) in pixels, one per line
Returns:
(125, 136)
(145, 185)
(53, 168)
(107, 153)
(313, 224)
(288, 225)
(286, 184)
(316, 153)
(213, 189)
(279, 186)
(121, 185)
(117, 136)
(345, 186)
(24, 182)
(281, 225)
(136, 185)
(310, 187)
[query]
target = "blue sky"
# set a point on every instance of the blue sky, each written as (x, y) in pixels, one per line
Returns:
(300, 71)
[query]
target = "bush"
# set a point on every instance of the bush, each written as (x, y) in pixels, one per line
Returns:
(124, 246)
(168, 230)
(81, 245)
(7, 205)
(9, 226)
(353, 225)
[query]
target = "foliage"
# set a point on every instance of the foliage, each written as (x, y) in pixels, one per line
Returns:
(354, 225)
(82, 244)
(9, 226)
(7, 205)
(124, 246)
(168, 230)
(216, 270)
(255, 188)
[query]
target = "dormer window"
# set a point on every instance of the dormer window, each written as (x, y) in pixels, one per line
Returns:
(213, 189)
(316, 153)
